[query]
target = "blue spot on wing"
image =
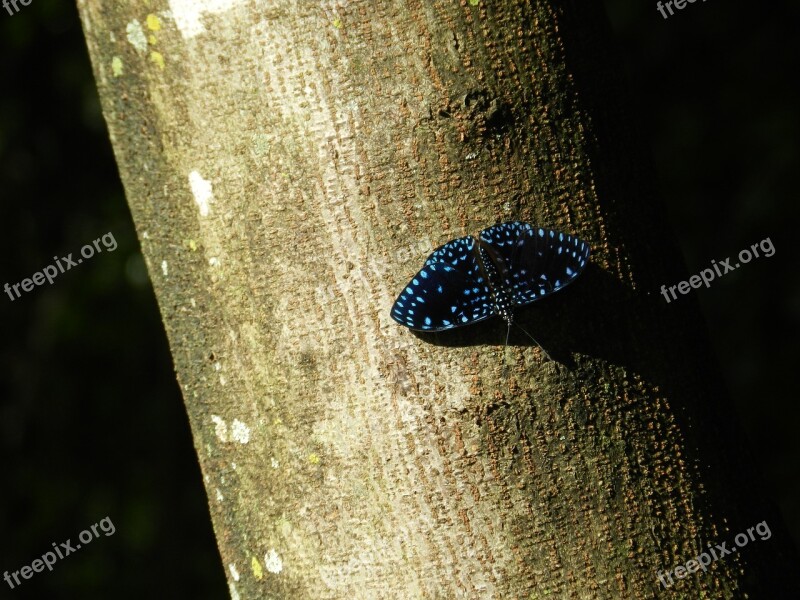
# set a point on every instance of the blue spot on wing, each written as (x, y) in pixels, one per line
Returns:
(533, 262)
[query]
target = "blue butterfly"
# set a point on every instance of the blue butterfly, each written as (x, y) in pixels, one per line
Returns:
(468, 280)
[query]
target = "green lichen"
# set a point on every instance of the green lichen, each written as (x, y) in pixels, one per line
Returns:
(116, 66)
(258, 572)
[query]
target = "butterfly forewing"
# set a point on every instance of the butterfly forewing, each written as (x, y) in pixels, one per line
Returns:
(449, 291)
(532, 261)
(455, 253)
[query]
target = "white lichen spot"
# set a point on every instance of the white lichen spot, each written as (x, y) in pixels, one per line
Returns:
(136, 35)
(220, 428)
(217, 366)
(233, 591)
(240, 432)
(233, 466)
(234, 572)
(188, 14)
(193, 302)
(222, 380)
(220, 497)
(275, 463)
(201, 190)
(164, 268)
(145, 235)
(116, 66)
(213, 261)
(273, 562)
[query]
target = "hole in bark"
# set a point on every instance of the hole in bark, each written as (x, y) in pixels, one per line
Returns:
(499, 118)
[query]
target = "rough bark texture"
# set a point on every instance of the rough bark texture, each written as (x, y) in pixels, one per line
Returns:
(288, 166)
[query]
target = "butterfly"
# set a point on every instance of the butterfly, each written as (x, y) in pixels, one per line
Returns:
(468, 280)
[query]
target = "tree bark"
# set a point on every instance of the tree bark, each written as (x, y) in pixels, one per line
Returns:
(288, 166)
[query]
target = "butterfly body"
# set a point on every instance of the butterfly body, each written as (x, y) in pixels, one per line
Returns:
(470, 279)
(500, 295)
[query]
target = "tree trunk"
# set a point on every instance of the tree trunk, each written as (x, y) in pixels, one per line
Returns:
(289, 166)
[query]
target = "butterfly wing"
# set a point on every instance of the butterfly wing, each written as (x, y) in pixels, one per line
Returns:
(449, 291)
(532, 261)
(454, 253)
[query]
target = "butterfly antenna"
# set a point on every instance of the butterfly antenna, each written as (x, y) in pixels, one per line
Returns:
(505, 348)
(534, 341)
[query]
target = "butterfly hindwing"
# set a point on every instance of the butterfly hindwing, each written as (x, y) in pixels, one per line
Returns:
(449, 291)
(533, 261)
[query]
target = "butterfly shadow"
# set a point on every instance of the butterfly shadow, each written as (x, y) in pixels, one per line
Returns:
(587, 317)
(544, 320)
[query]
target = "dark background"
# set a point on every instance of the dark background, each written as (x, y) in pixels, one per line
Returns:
(92, 423)
(716, 86)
